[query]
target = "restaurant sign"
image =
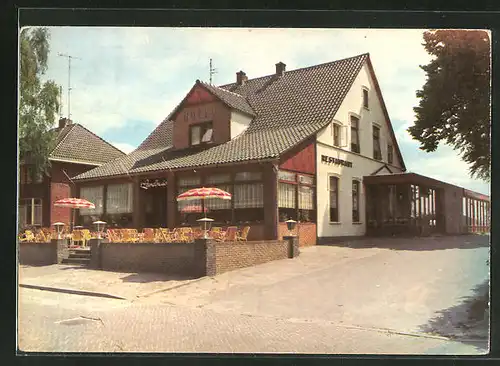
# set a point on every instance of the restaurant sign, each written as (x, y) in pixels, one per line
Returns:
(332, 160)
(145, 184)
(199, 114)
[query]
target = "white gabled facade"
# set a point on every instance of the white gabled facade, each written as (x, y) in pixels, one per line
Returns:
(358, 164)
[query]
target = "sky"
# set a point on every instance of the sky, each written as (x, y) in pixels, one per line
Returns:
(125, 81)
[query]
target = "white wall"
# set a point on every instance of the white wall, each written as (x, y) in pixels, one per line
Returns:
(362, 164)
(239, 123)
(353, 103)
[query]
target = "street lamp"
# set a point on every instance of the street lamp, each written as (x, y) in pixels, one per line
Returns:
(290, 224)
(207, 224)
(100, 228)
(59, 228)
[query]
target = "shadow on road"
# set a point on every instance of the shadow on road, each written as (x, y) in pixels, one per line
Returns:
(467, 322)
(153, 277)
(418, 243)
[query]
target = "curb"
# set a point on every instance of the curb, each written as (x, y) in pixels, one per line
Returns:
(73, 292)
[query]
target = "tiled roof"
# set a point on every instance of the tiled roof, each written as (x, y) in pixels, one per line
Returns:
(75, 143)
(287, 110)
(233, 100)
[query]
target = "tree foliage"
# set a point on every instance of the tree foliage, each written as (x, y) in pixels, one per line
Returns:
(454, 106)
(38, 101)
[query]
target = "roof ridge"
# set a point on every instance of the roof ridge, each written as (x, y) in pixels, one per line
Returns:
(302, 68)
(221, 89)
(100, 138)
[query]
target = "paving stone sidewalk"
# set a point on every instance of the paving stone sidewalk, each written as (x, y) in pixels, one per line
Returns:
(79, 279)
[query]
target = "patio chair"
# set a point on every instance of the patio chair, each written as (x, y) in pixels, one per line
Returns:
(166, 235)
(27, 236)
(130, 235)
(86, 236)
(197, 233)
(76, 237)
(187, 235)
(148, 235)
(244, 234)
(49, 234)
(229, 234)
(112, 236)
(216, 232)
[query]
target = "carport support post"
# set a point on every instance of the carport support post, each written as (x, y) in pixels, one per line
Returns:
(62, 251)
(293, 245)
(95, 253)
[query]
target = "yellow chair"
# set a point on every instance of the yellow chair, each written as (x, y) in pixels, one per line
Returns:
(230, 234)
(86, 236)
(129, 235)
(148, 235)
(77, 237)
(244, 234)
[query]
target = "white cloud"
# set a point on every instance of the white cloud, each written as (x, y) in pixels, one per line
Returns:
(123, 146)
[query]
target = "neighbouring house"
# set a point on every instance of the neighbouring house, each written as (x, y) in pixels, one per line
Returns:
(314, 144)
(77, 150)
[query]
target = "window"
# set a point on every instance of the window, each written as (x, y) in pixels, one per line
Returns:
(185, 184)
(94, 195)
(306, 204)
(201, 133)
(355, 134)
(220, 210)
(287, 202)
(119, 198)
(355, 201)
(377, 153)
(334, 195)
(390, 153)
(336, 134)
(248, 202)
(30, 212)
(365, 98)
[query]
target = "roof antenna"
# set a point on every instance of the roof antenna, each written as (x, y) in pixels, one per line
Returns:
(69, 79)
(212, 71)
(60, 101)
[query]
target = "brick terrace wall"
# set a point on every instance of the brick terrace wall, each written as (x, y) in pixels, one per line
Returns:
(227, 256)
(171, 258)
(306, 232)
(38, 254)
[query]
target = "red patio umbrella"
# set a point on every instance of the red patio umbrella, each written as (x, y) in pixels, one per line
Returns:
(74, 203)
(204, 193)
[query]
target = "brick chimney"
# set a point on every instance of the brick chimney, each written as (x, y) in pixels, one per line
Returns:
(241, 78)
(280, 69)
(63, 122)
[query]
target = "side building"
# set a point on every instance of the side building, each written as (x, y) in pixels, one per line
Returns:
(76, 151)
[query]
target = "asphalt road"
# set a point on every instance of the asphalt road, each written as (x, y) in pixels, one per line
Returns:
(396, 298)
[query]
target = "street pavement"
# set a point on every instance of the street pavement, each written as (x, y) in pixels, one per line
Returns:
(375, 297)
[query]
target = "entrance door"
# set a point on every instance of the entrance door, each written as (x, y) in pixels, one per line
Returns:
(156, 207)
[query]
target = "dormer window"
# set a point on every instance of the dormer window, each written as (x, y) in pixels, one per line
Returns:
(201, 133)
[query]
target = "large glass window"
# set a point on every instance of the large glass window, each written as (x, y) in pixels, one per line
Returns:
(377, 153)
(94, 195)
(30, 212)
(220, 210)
(355, 134)
(355, 201)
(248, 202)
(306, 204)
(333, 186)
(287, 202)
(119, 198)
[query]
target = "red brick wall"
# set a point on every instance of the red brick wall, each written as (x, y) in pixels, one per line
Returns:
(61, 187)
(216, 112)
(306, 232)
(228, 256)
(301, 161)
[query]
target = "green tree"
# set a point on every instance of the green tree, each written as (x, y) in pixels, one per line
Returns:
(38, 101)
(454, 105)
